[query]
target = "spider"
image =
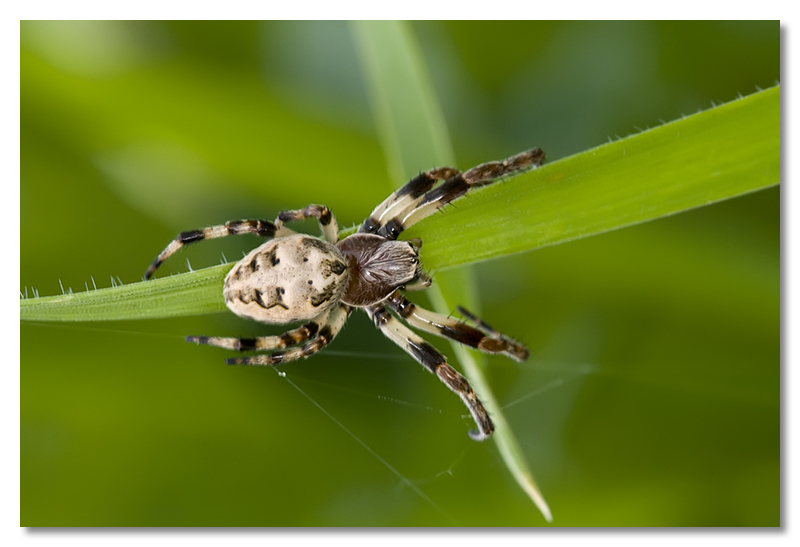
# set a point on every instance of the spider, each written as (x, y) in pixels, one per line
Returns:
(296, 277)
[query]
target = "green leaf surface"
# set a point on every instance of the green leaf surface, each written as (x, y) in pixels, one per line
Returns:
(718, 154)
(192, 293)
(721, 153)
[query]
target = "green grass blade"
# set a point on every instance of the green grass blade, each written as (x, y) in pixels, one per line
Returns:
(414, 135)
(192, 293)
(714, 155)
(410, 123)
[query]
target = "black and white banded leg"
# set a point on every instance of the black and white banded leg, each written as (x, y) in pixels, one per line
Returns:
(265, 343)
(455, 187)
(326, 220)
(410, 194)
(263, 228)
(435, 362)
(483, 338)
(326, 333)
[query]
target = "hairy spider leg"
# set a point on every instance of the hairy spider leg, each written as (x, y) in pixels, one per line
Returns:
(264, 343)
(405, 197)
(333, 324)
(435, 362)
(447, 327)
(263, 228)
(483, 325)
(456, 186)
(326, 220)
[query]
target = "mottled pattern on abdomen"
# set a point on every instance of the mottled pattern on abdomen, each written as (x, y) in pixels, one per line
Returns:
(293, 278)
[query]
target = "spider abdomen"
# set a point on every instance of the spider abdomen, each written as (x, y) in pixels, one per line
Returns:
(289, 279)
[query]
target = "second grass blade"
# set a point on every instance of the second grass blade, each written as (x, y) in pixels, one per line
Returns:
(414, 136)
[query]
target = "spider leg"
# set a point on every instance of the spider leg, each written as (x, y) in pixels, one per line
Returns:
(263, 228)
(323, 215)
(333, 324)
(484, 338)
(483, 325)
(420, 284)
(435, 362)
(263, 343)
(405, 197)
(456, 186)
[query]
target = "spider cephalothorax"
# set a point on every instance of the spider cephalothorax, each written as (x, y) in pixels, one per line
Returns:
(299, 278)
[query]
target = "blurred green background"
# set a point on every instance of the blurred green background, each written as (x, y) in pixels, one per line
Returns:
(652, 397)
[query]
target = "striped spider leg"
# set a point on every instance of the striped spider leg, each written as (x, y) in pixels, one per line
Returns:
(409, 204)
(266, 343)
(483, 338)
(326, 220)
(263, 228)
(433, 360)
(302, 342)
(411, 193)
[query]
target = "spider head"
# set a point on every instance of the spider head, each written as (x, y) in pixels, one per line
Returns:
(377, 267)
